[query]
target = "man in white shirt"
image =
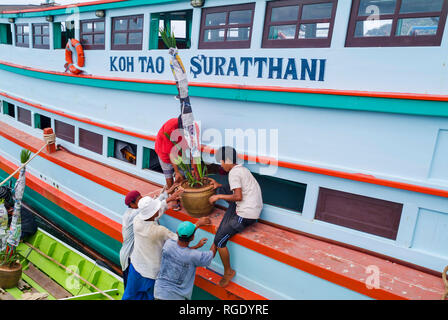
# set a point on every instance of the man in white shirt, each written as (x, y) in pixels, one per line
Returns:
(245, 205)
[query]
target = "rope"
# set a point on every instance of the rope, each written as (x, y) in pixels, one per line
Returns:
(445, 281)
(49, 139)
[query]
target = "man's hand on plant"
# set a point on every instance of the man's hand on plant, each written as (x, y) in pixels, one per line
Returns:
(216, 185)
(172, 204)
(178, 177)
(175, 196)
(173, 187)
(213, 198)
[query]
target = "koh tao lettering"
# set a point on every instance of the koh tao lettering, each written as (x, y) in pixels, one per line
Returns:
(254, 67)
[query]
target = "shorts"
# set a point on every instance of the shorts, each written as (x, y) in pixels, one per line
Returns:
(167, 168)
(231, 224)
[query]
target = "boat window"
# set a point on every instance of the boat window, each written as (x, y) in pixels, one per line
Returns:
(41, 36)
(24, 116)
(64, 131)
(393, 23)
(92, 34)
(22, 35)
(9, 109)
(151, 160)
(227, 27)
(178, 22)
(41, 122)
(5, 33)
(91, 141)
(122, 150)
(127, 33)
(370, 215)
(299, 23)
(62, 32)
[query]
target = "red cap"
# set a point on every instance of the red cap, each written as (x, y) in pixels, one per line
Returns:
(131, 197)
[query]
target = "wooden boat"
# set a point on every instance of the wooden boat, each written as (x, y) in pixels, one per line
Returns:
(55, 271)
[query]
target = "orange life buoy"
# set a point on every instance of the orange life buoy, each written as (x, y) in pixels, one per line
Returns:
(69, 50)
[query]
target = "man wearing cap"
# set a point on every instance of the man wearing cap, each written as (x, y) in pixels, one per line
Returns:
(134, 201)
(179, 261)
(149, 238)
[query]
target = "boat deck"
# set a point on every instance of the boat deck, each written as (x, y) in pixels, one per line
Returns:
(343, 266)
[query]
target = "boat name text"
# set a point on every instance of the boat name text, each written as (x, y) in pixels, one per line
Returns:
(201, 65)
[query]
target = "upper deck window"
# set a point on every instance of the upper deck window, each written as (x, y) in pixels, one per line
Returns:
(127, 33)
(41, 36)
(394, 23)
(299, 23)
(62, 31)
(177, 22)
(227, 27)
(92, 34)
(22, 35)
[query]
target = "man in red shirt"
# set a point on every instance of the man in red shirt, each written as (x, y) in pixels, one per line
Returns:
(163, 149)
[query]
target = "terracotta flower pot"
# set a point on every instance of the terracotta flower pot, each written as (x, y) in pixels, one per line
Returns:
(195, 200)
(10, 276)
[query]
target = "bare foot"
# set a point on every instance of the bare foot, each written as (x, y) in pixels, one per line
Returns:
(224, 282)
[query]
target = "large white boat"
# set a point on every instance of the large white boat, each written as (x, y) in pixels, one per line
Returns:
(339, 108)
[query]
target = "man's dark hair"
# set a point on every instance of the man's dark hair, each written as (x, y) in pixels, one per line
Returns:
(6, 194)
(186, 239)
(226, 153)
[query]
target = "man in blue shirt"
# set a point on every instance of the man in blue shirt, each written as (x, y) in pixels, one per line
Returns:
(178, 266)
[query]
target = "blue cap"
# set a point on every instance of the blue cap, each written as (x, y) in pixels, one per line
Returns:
(186, 229)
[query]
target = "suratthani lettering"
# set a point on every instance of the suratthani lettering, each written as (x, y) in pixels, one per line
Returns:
(261, 67)
(210, 66)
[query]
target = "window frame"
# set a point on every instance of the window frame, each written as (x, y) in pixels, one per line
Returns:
(387, 213)
(393, 40)
(24, 116)
(41, 35)
(22, 35)
(96, 140)
(127, 46)
(296, 42)
(93, 33)
(61, 131)
(243, 44)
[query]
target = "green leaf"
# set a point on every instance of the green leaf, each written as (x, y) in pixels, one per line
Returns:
(25, 155)
(168, 37)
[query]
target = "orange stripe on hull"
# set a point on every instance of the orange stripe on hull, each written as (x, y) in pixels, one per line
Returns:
(262, 160)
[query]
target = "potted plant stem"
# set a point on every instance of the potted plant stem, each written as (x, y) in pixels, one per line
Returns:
(10, 267)
(197, 187)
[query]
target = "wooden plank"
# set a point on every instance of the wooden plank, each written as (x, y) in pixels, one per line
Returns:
(36, 286)
(4, 295)
(46, 283)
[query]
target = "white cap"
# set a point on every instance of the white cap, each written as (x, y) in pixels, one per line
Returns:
(149, 207)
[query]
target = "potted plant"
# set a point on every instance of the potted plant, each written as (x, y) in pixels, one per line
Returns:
(10, 269)
(197, 187)
(10, 266)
